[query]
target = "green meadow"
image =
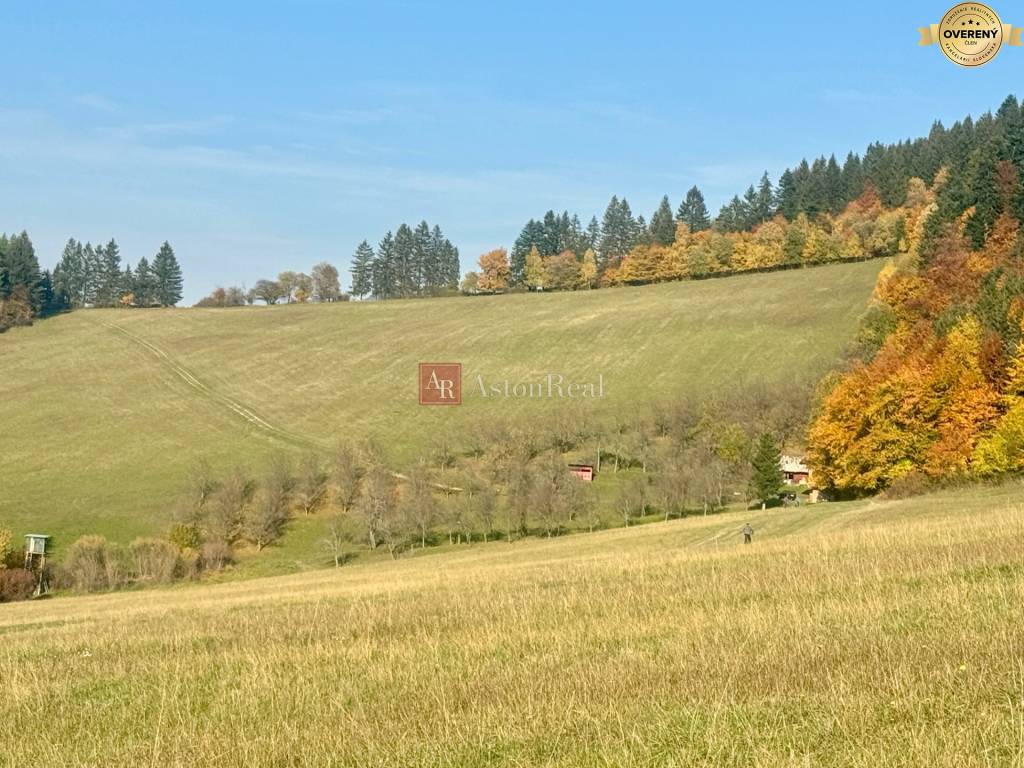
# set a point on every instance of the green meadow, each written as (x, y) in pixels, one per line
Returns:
(103, 412)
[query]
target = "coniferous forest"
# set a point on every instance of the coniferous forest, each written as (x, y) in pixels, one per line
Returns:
(86, 276)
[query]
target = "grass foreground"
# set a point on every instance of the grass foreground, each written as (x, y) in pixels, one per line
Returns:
(855, 634)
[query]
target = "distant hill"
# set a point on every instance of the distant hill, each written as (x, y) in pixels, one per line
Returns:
(103, 411)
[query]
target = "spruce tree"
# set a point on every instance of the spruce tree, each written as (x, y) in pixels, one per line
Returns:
(144, 287)
(425, 271)
(767, 468)
(128, 281)
(834, 196)
(592, 235)
(764, 205)
(693, 211)
(384, 274)
(362, 270)
(750, 217)
(109, 285)
(167, 278)
(20, 269)
(663, 224)
(404, 261)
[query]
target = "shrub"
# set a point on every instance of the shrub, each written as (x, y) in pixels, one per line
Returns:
(154, 560)
(16, 584)
(189, 564)
(216, 554)
(5, 546)
(92, 564)
(913, 483)
(185, 536)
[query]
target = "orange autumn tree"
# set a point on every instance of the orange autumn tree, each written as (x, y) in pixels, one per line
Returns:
(1002, 450)
(494, 271)
(939, 397)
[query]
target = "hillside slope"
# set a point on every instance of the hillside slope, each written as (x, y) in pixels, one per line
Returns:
(103, 411)
(854, 634)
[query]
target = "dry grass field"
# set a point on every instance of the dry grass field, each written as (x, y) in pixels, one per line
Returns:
(865, 634)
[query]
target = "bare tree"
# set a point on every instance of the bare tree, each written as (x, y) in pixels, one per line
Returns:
(555, 495)
(672, 485)
(347, 475)
(445, 450)
(451, 514)
(342, 534)
(201, 483)
(226, 508)
(311, 484)
(418, 503)
(632, 499)
(479, 502)
(266, 515)
(376, 503)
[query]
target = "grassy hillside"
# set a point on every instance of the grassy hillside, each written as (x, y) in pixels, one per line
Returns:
(863, 634)
(103, 411)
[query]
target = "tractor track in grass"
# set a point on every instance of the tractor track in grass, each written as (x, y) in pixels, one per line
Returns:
(190, 379)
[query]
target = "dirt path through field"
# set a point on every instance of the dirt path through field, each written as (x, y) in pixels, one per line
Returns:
(204, 390)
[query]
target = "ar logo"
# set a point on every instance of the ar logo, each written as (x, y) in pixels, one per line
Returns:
(440, 383)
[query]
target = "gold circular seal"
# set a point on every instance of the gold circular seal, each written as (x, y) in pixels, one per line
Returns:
(970, 34)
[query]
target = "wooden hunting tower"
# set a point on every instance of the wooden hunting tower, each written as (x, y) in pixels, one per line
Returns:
(35, 559)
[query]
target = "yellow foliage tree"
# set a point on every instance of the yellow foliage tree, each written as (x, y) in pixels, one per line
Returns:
(588, 269)
(533, 272)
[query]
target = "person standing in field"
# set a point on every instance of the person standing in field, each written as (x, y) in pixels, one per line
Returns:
(748, 533)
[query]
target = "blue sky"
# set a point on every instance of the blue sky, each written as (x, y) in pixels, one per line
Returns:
(259, 137)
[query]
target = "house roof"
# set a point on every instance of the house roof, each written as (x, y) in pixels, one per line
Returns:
(794, 464)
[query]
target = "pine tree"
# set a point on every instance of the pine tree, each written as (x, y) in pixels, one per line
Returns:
(764, 204)
(834, 197)
(128, 282)
(167, 278)
(425, 271)
(551, 242)
(362, 270)
(384, 274)
(108, 284)
(592, 235)
(852, 184)
(693, 212)
(92, 269)
(448, 260)
(788, 195)
(767, 469)
(145, 285)
(19, 268)
(663, 224)
(407, 283)
(750, 216)
(619, 232)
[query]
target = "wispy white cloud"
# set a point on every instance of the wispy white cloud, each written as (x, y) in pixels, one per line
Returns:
(193, 127)
(95, 101)
(356, 116)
